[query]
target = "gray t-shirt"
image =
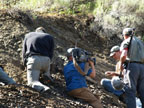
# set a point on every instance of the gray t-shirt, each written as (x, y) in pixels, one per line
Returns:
(136, 52)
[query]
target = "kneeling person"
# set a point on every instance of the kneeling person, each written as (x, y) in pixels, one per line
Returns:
(75, 80)
(37, 53)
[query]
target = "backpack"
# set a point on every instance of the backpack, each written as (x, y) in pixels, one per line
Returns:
(136, 52)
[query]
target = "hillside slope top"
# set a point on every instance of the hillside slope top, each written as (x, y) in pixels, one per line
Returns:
(66, 30)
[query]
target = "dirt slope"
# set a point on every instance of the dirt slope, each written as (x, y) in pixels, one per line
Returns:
(66, 30)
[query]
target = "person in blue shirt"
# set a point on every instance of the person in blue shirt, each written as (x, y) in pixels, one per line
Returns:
(74, 74)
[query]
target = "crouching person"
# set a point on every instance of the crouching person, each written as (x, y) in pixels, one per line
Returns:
(5, 79)
(37, 53)
(106, 83)
(74, 74)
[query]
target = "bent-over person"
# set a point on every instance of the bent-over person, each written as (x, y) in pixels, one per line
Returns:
(37, 52)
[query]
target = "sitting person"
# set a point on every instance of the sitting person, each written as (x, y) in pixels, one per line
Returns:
(106, 83)
(74, 74)
(5, 79)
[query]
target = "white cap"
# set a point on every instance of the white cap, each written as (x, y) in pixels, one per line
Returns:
(128, 31)
(69, 52)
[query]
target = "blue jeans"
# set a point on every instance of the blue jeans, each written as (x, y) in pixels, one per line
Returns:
(106, 83)
(4, 78)
(134, 80)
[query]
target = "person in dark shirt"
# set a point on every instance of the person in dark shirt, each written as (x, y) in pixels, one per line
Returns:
(37, 53)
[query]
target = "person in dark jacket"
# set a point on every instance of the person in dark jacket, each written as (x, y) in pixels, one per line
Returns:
(37, 53)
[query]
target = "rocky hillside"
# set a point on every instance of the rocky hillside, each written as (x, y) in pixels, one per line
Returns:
(66, 31)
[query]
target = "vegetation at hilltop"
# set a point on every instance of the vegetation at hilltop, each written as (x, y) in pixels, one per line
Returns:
(96, 24)
(110, 15)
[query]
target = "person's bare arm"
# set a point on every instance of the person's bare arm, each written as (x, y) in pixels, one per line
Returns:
(114, 73)
(78, 67)
(111, 73)
(122, 60)
(93, 73)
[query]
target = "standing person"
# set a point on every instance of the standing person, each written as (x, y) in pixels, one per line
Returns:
(133, 57)
(37, 52)
(107, 83)
(5, 79)
(74, 74)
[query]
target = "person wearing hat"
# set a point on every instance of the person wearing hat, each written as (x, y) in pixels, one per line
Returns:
(115, 53)
(74, 74)
(116, 89)
(37, 53)
(132, 56)
(115, 85)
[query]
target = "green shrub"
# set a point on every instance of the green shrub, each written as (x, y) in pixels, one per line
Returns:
(143, 38)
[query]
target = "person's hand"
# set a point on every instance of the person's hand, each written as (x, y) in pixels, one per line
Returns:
(91, 62)
(111, 73)
(108, 73)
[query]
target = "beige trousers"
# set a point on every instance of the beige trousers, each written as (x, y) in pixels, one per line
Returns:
(86, 95)
(35, 65)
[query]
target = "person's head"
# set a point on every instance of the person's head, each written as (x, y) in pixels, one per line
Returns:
(127, 32)
(40, 29)
(69, 54)
(115, 52)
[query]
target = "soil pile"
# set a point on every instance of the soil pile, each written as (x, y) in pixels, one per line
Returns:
(66, 30)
